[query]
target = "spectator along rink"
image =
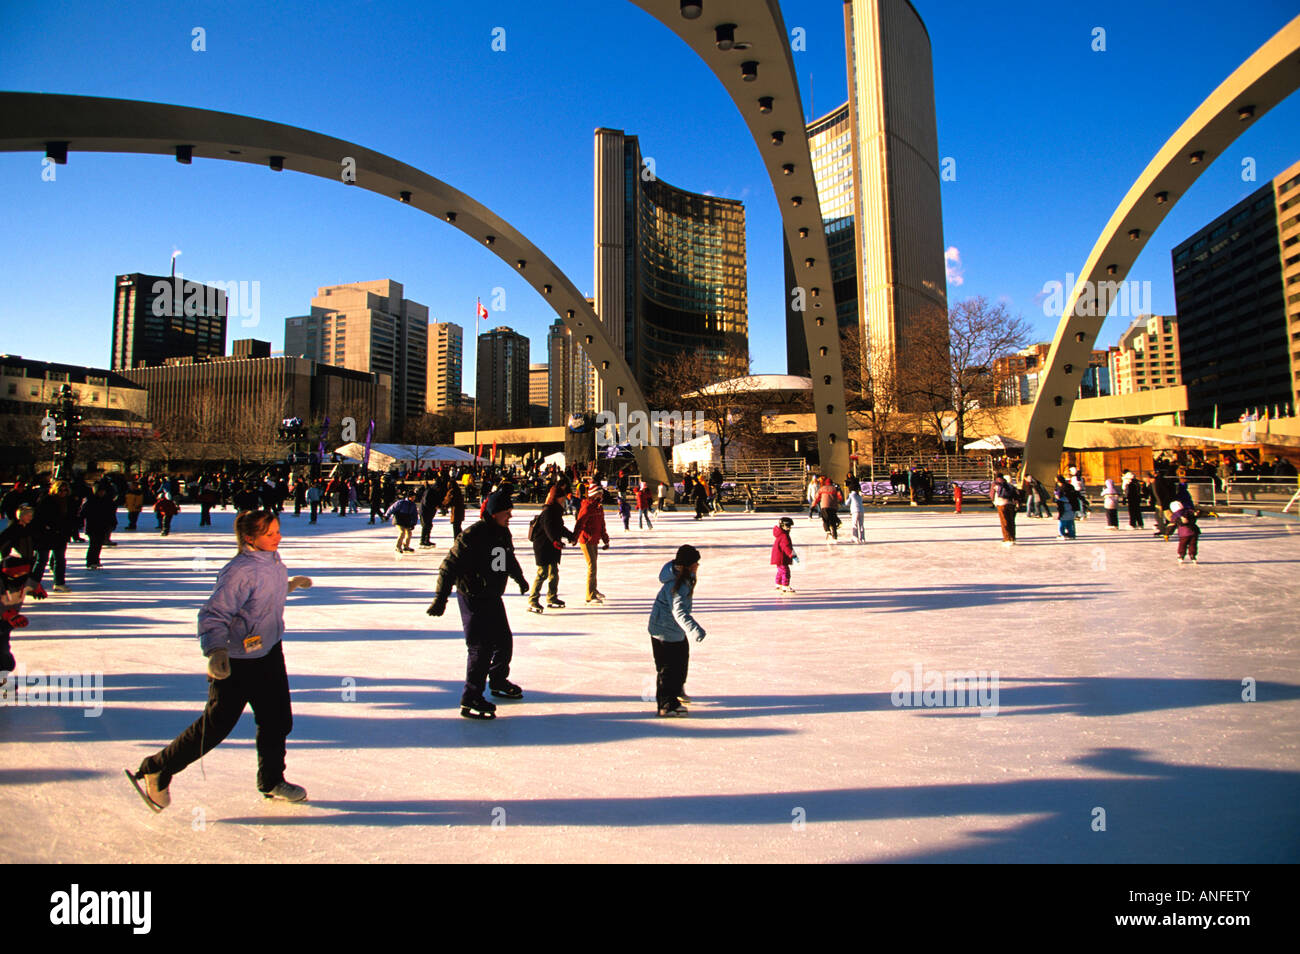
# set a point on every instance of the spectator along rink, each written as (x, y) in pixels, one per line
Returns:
(929, 695)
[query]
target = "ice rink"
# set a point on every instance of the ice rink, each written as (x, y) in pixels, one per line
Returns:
(1109, 720)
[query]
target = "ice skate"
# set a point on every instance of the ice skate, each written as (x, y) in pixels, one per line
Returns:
(156, 798)
(534, 607)
(60, 588)
(555, 603)
(478, 708)
(287, 791)
(507, 690)
(672, 711)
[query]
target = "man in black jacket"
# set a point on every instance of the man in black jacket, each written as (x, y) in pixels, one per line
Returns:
(479, 563)
(428, 501)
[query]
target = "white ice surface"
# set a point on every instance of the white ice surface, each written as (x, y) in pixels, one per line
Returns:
(1120, 688)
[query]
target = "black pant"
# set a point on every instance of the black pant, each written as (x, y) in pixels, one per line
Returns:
(167, 523)
(131, 517)
(261, 683)
(7, 661)
(205, 515)
(426, 525)
(671, 660)
(315, 509)
(54, 555)
(94, 547)
(491, 644)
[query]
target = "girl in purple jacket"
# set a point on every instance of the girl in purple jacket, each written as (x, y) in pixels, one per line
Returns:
(783, 554)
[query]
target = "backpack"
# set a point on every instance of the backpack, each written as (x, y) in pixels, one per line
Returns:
(532, 526)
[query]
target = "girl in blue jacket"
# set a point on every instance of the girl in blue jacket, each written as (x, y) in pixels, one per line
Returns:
(670, 625)
(240, 629)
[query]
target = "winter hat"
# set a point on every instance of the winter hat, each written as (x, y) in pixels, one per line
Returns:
(1176, 506)
(17, 568)
(498, 502)
(686, 555)
(595, 490)
(786, 523)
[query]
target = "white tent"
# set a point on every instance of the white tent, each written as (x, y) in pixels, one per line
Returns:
(406, 456)
(701, 451)
(995, 443)
(557, 459)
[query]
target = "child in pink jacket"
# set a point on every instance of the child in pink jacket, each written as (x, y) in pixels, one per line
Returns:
(783, 554)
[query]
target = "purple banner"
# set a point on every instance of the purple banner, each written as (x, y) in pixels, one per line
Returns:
(365, 458)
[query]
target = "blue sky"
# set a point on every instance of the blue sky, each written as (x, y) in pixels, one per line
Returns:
(1046, 133)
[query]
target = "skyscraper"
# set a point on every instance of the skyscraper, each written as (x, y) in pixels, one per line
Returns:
(369, 326)
(156, 318)
(539, 398)
(1237, 329)
(669, 264)
(876, 161)
(1147, 357)
(572, 379)
(503, 385)
(446, 363)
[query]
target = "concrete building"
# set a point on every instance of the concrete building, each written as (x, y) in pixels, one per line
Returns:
(156, 317)
(446, 366)
(572, 379)
(669, 265)
(897, 212)
(1286, 196)
(502, 381)
(1237, 339)
(1016, 376)
(1147, 356)
(369, 327)
(228, 400)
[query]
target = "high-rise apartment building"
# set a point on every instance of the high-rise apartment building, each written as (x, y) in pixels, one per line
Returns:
(368, 326)
(1237, 339)
(1147, 356)
(669, 264)
(446, 364)
(572, 379)
(1016, 376)
(503, 384)
(876, 163)
(156, 317)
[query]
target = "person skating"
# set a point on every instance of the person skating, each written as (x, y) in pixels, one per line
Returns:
(428, 501)
(1066, 508)
(98, 514)
(241, 628)
(453, 505)
(405, 512)
(669, 626)
(828, 502)
(478, 564)
(1110, 503)
(783, 554)
(1004, 499)
(1183, 520)
(166, 509)
(548, 536)
(590, 531)
(1131, 487)
(856, 515)
(53, 527)
(643, 507)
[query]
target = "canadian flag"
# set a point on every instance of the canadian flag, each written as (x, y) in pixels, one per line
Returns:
(482, 312)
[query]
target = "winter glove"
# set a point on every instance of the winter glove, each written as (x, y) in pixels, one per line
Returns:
(700, 638)
(219, 664)
(606, 546)
(37, 591)
(523, 588)
(438, 606)
(795, 557)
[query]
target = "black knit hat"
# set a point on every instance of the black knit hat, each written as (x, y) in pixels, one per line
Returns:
(686, 555)
(498, 502)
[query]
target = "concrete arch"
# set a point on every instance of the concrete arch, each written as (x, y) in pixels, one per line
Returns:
(773, 111)
(1264, 80)
(59, 124)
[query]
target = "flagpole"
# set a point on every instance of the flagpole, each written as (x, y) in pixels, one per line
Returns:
(478, 304)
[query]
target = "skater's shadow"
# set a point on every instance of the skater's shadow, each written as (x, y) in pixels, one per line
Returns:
(1222, 815)
(40, 776)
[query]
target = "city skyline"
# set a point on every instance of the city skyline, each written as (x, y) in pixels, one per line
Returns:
(1023, 209)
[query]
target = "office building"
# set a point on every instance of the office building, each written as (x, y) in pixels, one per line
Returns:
(876, 163)
(156, 317)
(669, 266)
(446, 366)
(572, 378)
(502, 381)
(1235, 341)
(539, 398)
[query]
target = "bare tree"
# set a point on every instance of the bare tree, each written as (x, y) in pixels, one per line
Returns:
(872, 398)
(948, 368)
(714, 385)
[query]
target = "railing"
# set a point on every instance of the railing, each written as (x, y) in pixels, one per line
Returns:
(1261, 491)
(773, 480)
